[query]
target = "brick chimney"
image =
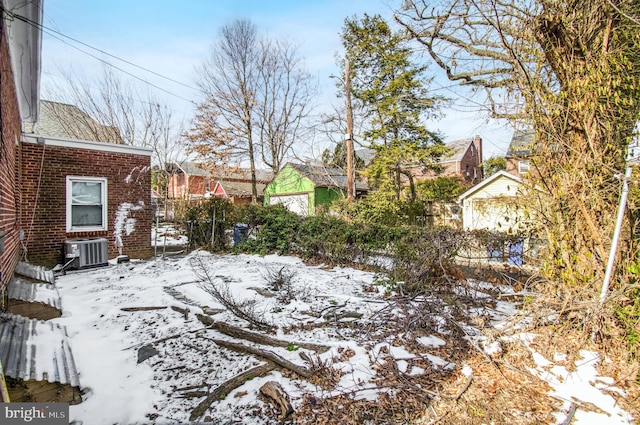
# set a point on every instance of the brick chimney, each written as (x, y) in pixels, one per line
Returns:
(477, 140)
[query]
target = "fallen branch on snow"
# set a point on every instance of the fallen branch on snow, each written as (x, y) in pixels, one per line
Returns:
(264, 354)
(256, 337)
(274, 392)
(130, 309)
(226, 387)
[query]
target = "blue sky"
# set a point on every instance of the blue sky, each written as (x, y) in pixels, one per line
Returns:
(171, 38)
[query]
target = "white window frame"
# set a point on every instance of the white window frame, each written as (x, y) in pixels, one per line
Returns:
(103, 194)
(523, 166)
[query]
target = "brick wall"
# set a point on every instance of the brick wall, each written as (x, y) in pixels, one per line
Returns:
(183, 186)
(44, 171)
(196, 185)
(9, 201)
(512, 166)
(470, 167)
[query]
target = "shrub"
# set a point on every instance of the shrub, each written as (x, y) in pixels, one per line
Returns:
(206, 223)
(424, 258)
(274, 228)
(326, 238)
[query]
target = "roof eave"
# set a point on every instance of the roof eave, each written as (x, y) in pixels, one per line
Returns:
(488, 181)
(25, 46)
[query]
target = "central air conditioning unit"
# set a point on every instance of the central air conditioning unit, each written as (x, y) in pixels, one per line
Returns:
(86, 253)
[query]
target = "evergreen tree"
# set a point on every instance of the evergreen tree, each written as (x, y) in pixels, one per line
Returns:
(393, 91)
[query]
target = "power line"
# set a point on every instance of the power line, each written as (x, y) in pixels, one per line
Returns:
(122, 70)
(50, 32)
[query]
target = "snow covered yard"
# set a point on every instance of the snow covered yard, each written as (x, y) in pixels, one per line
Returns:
(145, 357)
(167, 235)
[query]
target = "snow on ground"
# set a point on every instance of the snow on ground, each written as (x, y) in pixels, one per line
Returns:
(167, 235)
(123, 388)
(582, 385)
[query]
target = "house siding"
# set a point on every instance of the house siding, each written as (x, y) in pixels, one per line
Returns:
(512, 166)
(493, 207)
(45, 169)
(325, 195)
(9, 192)
(290, 182)
(183, 186)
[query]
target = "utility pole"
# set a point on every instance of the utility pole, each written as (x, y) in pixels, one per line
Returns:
(351, 173)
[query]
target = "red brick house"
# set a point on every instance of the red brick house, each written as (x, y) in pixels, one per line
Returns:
(188, 180)
(19, 94)
(464, 160)
(76, 189)
(82, 189)
(192, 181)
(519, 153)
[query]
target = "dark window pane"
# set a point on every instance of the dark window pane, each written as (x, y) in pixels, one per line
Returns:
(86, 215)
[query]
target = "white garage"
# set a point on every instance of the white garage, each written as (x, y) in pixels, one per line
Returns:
(494, 204)
(298, 203)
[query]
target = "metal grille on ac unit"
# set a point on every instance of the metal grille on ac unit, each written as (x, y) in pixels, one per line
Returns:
(86, 252)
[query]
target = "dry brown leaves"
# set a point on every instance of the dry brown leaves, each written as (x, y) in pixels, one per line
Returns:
(497, 395)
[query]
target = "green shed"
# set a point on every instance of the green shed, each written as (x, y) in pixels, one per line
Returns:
(301, 188)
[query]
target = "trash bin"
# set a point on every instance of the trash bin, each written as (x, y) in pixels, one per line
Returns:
(240, 232)
(515, 249)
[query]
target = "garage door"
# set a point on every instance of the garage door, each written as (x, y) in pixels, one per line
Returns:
(298, 204)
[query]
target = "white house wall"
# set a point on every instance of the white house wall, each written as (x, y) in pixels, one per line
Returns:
(492, 207)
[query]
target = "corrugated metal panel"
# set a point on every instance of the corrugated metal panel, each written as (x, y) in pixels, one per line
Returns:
(34, 272)
(36, 350)
(20, 289)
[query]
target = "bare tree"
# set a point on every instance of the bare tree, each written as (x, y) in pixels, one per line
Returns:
(257, 98)
(487, 44)
(164, 138)
(111, 110)
(284, 102)
(229, 79)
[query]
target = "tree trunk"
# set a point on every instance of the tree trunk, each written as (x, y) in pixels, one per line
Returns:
(273, 391)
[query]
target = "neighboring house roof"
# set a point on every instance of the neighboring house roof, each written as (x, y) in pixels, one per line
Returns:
(480, 186)
(237, 189)
(521, 143)
(457, 149)
(264, 176)
(70, 122)
(326, 177)
(223, 174)
(190, 168)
